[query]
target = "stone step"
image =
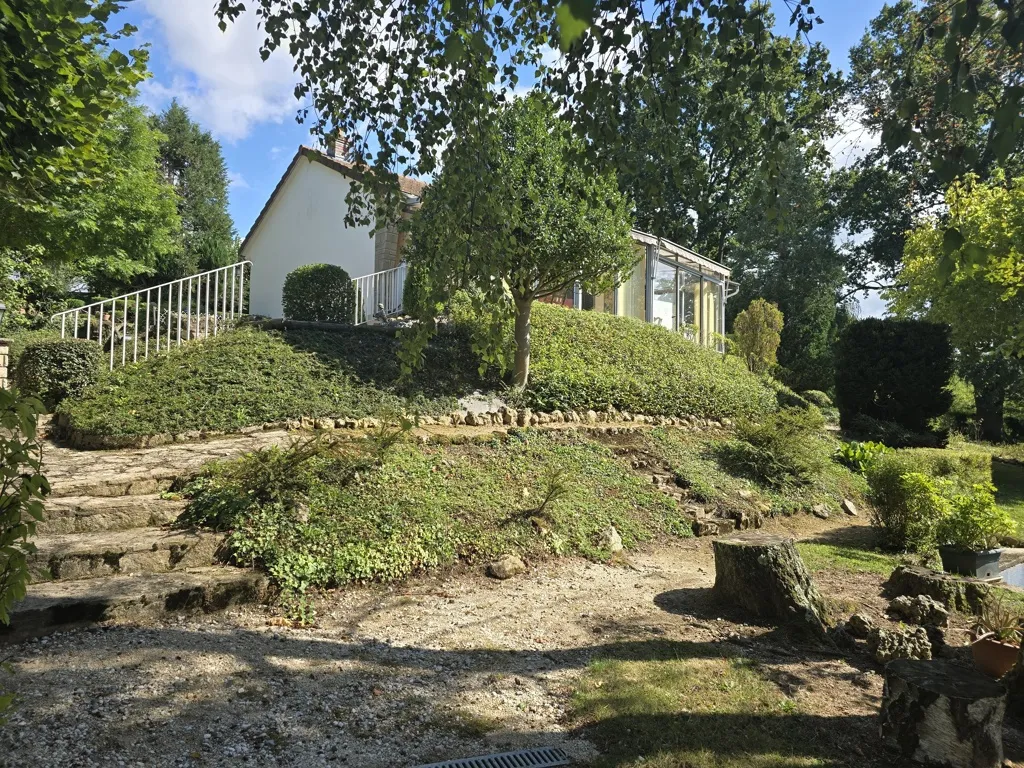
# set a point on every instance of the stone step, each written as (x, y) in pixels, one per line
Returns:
(62, 605)
(65, 557)
(144, 482)
(87, 514)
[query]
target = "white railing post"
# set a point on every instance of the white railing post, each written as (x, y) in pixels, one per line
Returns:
(216, 298)
(135, 333)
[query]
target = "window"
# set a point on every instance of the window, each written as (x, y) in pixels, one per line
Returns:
(666, 296)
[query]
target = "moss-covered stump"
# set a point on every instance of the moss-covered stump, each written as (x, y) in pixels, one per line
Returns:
(942, 715)
(764, 574)
(956, 592)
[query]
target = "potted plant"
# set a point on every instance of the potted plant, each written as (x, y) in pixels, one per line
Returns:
(996, 637)
(968, 535)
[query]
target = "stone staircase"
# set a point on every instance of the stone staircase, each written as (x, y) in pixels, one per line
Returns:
(105, 550)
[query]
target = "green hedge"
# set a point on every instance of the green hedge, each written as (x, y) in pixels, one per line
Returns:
(894, 371)
(320, 293)
(590, 360)
(57, 370)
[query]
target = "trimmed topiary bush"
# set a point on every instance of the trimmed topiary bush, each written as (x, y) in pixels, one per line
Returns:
(894, 371)
(817, 397)
(320, 293)
(56, 370)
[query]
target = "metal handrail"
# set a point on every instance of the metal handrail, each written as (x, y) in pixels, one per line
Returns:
(225, 307)
(379, 295)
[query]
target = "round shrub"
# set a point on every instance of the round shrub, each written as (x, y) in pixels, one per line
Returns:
(56, 370)
(320, 293)
(817, 397)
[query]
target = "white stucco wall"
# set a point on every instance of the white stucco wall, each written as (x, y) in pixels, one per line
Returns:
(305, 225)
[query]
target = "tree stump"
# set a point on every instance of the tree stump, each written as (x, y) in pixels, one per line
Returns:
(764, 574)
(939, 714)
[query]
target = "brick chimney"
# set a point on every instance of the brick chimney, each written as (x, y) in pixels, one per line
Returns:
(341, 148)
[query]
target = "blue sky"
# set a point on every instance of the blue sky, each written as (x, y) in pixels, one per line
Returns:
(248, 104)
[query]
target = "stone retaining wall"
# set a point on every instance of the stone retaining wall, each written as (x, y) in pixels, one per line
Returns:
(605, 422)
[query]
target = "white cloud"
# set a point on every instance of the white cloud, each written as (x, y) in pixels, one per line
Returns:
(237, 180)
(218, 75)
(854, 139)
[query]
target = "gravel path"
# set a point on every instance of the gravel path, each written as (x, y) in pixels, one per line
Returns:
(430, 670)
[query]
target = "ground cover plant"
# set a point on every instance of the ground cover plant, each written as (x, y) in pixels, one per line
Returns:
(703, 464)
(584, 360)
(342, 517)
(250, 376)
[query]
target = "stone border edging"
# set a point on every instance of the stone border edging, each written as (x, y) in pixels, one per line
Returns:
(506, 418)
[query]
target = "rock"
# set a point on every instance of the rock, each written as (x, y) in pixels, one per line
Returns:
(939, 714)
(611, 540)
(885, 645)
(523, 417)
(859, 625)
(841, 638)
(471, 419)
(506, 567)
(920, 609)
(713, 526)
(591, 417)
(820, 511)
(955, 592)
(849, 508)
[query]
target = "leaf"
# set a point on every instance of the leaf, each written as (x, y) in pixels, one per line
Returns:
(573, 17)
(952, 241)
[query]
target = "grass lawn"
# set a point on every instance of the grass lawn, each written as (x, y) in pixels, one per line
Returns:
(1009, 482)
(841, 557)
(697, 706)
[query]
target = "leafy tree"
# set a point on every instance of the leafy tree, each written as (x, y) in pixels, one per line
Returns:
(122, 229)
(792, 261)
(527, 224)
(692, 148)
(192, 163)
(60, 79)
(934, 126)
(758, 330)
(981, 300)
(409, 79)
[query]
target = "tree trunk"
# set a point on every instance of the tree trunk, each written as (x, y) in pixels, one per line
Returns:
(522, 338)
(764, 574)
(939, 714)
(988, 404)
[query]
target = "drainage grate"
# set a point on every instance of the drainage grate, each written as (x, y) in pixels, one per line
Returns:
(542, 757)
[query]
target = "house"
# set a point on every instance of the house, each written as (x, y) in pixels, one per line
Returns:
(303, 222)
(671, 286)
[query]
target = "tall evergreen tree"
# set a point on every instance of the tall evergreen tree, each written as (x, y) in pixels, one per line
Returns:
(192, 162)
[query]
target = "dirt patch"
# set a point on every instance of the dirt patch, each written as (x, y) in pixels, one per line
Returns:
(432, 669)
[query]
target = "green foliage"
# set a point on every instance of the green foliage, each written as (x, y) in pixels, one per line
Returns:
(22, 490)
(591, 360)
(23, 487)
(249, 377)
(999, 620)
(191, 161)
(321, 293)
(938, 81)
(973, 521)
(894, 370)
(64, 73)
(785, 448)
(541, 222)
(54, 371)
(333, 517)
(109, 237)
(910, 491)
(758, 331)
(860, 457)
(817, 397)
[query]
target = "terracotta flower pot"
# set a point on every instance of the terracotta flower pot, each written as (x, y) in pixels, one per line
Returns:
(994, 657)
